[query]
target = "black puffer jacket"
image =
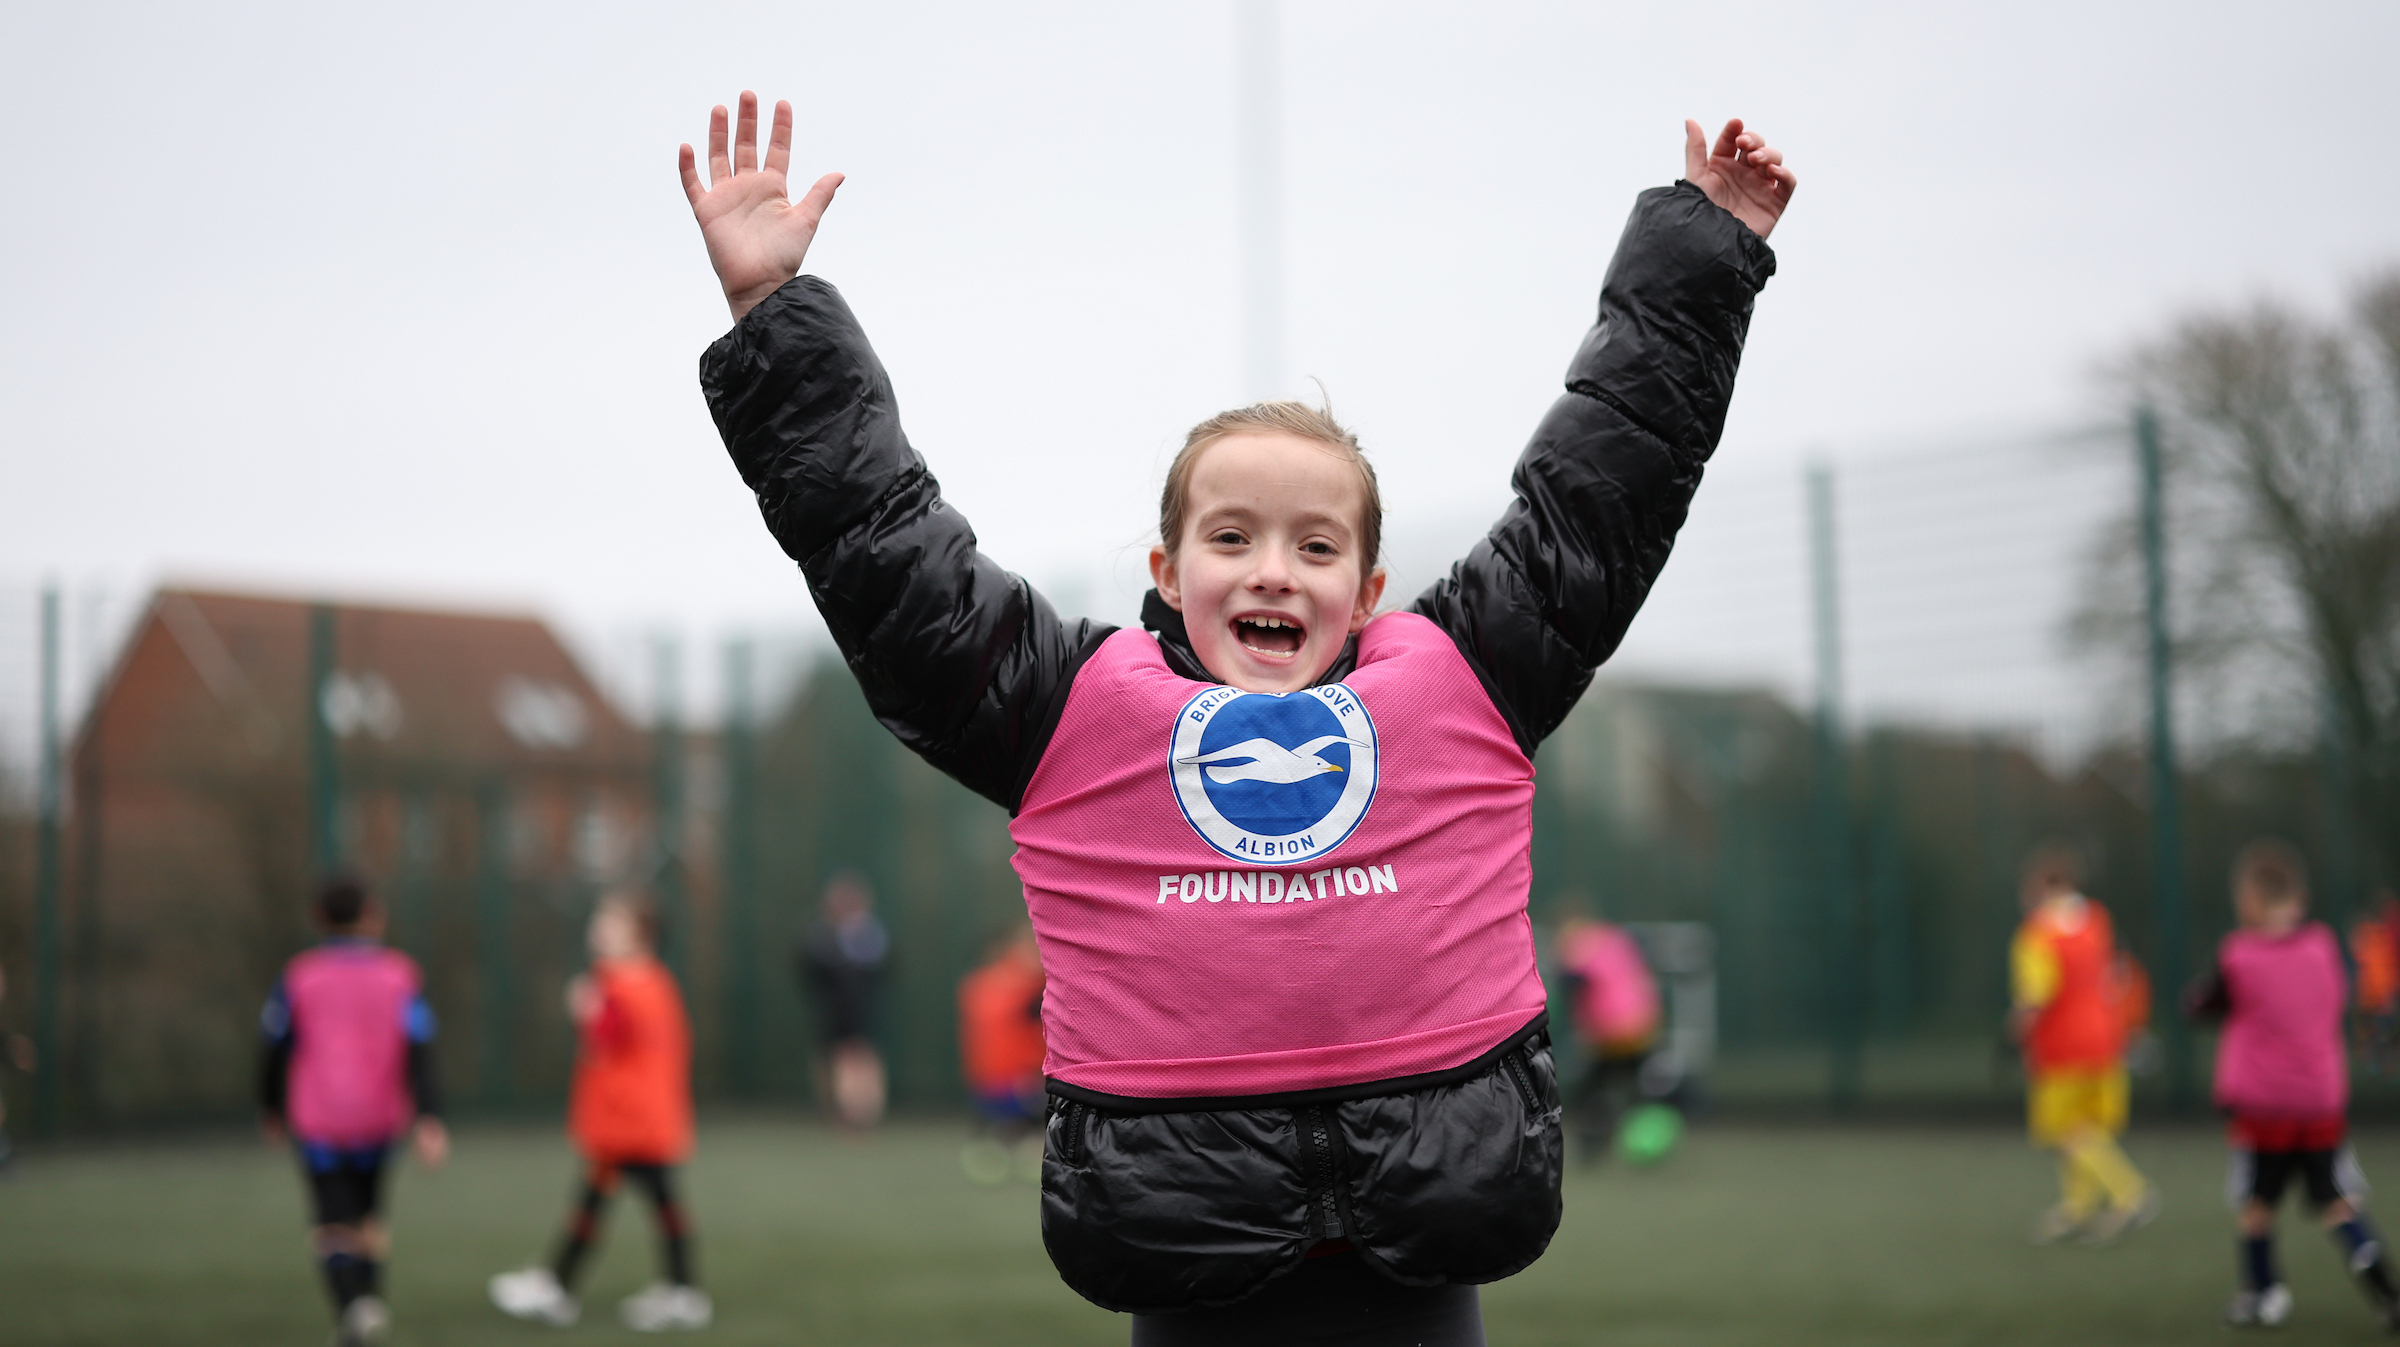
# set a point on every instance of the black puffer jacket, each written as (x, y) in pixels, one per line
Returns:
(1162, 1204)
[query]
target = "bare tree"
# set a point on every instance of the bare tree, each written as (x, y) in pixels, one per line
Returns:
(2282, 459)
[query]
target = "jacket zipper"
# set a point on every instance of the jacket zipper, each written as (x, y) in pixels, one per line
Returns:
(1070, 1141)
(1318, 1131)
(1514, 1060)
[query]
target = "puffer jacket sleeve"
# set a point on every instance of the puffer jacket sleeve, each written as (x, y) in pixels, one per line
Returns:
(1602, 488)
(960, 659)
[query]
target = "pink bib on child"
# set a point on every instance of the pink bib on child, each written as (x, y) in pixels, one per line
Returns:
(349, 1074)
(1239, 894)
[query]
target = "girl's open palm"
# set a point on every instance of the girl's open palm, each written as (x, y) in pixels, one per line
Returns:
(1743, 174)
(757, 235)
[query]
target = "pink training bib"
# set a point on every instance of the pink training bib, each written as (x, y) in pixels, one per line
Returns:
(349, 1074)
(1238, 893)
(2282, 1054)
(1619, 1004)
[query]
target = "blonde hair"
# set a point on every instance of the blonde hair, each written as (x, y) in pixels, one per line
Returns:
(1284, 417)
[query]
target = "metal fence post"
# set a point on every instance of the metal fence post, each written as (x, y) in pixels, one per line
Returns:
(324, 784)
(666, 746)
(739, 964)
(2166, 806)
(2341, 902)
(1887, 885)
(495, 945)
(51, 803)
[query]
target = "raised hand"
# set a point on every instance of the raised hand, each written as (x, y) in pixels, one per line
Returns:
(1743, 174)
(757, 235)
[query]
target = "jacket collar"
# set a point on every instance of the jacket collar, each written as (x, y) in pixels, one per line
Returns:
(1176, 644)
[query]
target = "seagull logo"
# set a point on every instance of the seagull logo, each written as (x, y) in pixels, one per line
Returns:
(1273, 779)
(1269, 761)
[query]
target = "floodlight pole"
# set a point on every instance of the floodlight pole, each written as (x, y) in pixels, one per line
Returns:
(1260, 110)
(1833, 814)
(2166, 806)
(47, 839)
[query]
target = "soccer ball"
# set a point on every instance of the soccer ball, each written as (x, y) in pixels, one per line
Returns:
(1648, 1133)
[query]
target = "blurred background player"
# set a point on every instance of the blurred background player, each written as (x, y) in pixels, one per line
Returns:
(2068, 1016)
(842, 962)
(630, 1114)
(2375, 945)
(2283, 1078)
(1616, 1014)
(1000, 1046)
(348, 1067)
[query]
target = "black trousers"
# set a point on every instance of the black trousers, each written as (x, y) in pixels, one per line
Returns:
(1334, 1301)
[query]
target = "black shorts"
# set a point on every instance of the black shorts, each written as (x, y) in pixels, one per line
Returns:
(2326, 1176)
(1336, 1301)
(345, 1183)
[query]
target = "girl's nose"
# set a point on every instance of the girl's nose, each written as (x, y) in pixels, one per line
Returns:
(1272, 574)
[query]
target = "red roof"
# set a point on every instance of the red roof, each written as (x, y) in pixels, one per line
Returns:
(410, 688)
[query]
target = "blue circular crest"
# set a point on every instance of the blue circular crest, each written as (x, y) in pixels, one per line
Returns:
(1273, 779)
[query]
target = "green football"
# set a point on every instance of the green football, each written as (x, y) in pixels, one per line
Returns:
(1648, 1133)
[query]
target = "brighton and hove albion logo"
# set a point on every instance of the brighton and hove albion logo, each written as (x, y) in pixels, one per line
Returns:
(1274, 780)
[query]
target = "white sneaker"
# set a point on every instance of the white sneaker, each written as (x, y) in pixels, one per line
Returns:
(2260, 1309)
(661, 1306)
(2114, 1223)
(365, 1323)
(532, 1293)
(2058, 1224)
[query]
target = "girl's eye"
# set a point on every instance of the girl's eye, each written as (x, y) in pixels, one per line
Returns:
(1320, 549)
(1227, 538)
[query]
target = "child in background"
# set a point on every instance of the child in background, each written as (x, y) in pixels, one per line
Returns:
(2069, 1016)
(630, 1114)
(2375, 944)
(2283, 1078)
(1615, 1001)
(843, 958)
(1277, 846)
(1000, 1047)
(348, 1068)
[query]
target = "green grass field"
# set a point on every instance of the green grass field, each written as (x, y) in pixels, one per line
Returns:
(1748, 1235)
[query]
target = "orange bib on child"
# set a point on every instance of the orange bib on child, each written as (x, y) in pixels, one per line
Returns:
(632, 1099)
(2082, 1025)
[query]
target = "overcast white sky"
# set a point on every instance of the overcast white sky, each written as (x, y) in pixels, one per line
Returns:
(404, 301)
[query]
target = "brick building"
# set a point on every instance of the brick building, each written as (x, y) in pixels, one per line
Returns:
(464, 763)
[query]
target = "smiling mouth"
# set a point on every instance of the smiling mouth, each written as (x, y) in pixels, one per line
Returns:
(1274, 637)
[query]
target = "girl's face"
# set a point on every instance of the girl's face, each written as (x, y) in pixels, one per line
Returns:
(2255, 910)
(1269, 574)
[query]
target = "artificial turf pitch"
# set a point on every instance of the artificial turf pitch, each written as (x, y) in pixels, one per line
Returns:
(1784, 1235)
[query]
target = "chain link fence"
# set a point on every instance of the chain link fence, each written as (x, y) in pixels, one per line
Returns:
(1855, 701)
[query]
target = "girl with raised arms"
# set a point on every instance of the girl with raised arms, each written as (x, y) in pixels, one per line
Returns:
(1275, 845)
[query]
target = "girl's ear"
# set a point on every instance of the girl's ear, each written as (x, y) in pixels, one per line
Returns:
(1370, 593)
(1162, 575)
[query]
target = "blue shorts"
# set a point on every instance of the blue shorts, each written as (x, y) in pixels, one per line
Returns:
(1008, 1106)
(345, 1183)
